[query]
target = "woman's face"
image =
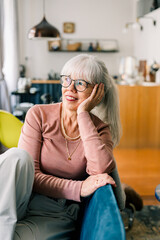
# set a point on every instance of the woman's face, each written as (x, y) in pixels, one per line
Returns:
(72, 98)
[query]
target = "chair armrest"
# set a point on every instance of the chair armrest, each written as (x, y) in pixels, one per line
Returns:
(102, 219)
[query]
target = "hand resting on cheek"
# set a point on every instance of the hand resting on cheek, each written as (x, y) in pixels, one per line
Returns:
(93, 100)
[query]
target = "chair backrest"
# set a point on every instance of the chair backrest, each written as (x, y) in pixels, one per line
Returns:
(118, 191)
(10, 129)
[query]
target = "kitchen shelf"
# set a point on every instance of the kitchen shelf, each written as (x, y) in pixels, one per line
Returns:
(109, 51)
(84, 45)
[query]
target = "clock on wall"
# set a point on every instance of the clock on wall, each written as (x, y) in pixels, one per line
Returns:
(68, 27)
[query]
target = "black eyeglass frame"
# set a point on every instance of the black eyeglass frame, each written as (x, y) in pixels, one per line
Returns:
(87, 83)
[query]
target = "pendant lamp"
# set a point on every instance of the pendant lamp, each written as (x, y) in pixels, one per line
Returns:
(43, 30)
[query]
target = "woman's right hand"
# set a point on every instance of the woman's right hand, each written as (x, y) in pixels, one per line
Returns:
(93, 100)
(93, 182)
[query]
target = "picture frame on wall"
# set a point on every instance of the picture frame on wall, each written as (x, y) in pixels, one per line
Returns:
(68, 27)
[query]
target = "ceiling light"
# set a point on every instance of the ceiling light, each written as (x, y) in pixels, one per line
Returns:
(150, 18)
(43, 30)
(133, 25)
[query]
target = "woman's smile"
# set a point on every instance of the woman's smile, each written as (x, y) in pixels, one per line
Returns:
(70, 98)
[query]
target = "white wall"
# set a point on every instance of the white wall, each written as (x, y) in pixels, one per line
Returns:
(93, 19)
(147, 42)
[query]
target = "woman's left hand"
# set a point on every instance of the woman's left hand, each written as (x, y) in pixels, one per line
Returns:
(93, 100)
(93, 182)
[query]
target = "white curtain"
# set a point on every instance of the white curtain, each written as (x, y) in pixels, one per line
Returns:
(4, 96)
(10, 56)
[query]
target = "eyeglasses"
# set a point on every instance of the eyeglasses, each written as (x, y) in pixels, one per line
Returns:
(79, 84)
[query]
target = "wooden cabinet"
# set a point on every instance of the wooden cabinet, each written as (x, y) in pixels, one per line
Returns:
(140, 116)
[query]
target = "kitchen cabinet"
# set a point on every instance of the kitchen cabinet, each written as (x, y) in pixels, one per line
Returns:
(140, 114)
(146, 6)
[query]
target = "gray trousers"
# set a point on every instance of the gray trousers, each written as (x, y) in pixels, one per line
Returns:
(27, 217)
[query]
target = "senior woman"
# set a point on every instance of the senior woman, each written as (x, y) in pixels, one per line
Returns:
(72, 152)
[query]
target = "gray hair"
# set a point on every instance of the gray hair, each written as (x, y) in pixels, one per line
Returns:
(94, 71)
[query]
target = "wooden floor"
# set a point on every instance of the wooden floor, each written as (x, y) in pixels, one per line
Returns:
(140, 168)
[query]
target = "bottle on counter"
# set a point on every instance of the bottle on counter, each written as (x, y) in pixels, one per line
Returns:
(98, 48)
(153, 70)
(91, 48)
(143, 68)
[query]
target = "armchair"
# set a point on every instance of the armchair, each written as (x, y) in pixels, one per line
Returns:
(101, 219)
(157, 192)
(10, 128)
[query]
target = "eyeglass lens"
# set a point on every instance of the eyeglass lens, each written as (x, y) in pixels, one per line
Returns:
(79, 84)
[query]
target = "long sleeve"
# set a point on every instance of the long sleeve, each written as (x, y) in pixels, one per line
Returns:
(56, 187)
(32, 140)
(97, 144)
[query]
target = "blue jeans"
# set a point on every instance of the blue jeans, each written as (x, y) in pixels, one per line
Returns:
(102, 219)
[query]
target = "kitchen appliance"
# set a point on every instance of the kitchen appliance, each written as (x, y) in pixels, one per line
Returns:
(24, 84)
(128, 69)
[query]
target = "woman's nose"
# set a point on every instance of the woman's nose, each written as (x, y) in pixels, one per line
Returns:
(72, 87)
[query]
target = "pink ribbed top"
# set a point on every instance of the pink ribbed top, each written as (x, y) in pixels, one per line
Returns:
(55, 175)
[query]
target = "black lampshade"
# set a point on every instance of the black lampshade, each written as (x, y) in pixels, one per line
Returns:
(43, 30)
